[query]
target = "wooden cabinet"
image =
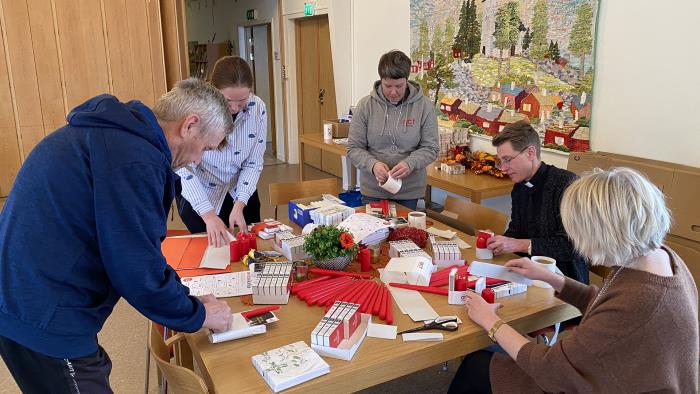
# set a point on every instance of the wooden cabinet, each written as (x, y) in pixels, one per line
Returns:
(58, 53)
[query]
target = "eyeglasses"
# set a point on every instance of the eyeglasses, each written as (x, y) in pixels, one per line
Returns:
(506, 161)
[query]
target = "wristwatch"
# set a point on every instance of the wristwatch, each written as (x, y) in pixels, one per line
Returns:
(494, 328)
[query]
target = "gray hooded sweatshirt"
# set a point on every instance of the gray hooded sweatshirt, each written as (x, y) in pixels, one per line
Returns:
(382, 131)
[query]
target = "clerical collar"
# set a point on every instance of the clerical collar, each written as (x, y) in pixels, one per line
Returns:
(537, 178)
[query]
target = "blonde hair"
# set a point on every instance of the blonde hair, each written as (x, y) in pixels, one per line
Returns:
(196, 96)
(614, 217)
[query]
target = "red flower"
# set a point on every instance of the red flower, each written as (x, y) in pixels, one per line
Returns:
(346, 241)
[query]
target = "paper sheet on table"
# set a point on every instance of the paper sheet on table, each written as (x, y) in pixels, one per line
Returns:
(222, 285)
(382, 331)
(447, 234)
(460, 243)
(413, 304)
(423, 336)
(218, 258)
(497, 271)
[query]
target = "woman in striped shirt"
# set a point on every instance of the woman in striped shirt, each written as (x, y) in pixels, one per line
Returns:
(220, 192)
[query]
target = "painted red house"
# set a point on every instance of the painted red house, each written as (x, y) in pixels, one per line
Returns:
(536, 105)
(456, 53)
(562, 61)
(487, 116)
(468, 110)
(580, 106)
(571, 136)
(450, 107)
(512, 96)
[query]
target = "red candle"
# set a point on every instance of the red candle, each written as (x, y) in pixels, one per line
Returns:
(365, 260)
(488, 295)
(253, 241)
(235, 250)
(484, 234)
(481, 243)
(460, 283)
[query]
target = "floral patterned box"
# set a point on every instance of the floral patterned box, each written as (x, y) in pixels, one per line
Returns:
(289, 365)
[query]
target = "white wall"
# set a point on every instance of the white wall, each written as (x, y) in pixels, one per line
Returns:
(225, 17)
(647, 82)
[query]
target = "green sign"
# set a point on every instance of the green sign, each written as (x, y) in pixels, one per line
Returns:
(251, 14)
(309, 9)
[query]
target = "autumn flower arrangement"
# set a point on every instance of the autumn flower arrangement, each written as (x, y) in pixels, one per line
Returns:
(479, 162)
(329, 242)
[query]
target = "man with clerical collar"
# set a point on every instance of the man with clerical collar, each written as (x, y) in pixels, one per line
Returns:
(535, 227)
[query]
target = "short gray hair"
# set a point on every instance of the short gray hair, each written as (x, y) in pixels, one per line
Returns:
(615, 217)
(196, 96)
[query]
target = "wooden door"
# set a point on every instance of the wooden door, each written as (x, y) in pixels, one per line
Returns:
(58, 53)
(315, 87)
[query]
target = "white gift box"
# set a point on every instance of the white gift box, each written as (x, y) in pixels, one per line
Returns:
(289, 365)
(445, 253)
(412, 270)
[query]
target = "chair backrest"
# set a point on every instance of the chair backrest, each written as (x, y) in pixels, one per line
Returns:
(180, 379)
(281, 193)
(477, 216)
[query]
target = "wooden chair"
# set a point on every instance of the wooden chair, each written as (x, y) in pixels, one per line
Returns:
(281, 193)
(180, 379)
(472, 217)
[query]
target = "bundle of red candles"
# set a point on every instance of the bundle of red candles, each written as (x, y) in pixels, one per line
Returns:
(243, 243)
(332, 286)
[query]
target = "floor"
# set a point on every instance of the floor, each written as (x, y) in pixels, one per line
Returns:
(124, 333)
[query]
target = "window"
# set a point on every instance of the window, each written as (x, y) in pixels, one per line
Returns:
(485, 125)
(527, 107)
(559, 140)
(500, 128)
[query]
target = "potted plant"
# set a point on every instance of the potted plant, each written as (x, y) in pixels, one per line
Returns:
(330, 247)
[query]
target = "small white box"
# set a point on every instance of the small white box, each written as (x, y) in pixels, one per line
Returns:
(411, 270)
(445, 253)
(271, 282)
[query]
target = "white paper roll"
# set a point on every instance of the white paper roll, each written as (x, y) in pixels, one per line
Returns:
(547, 262)
(391, 185)
(416, 219)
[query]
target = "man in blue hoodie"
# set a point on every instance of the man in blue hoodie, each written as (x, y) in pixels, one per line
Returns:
(83, 225)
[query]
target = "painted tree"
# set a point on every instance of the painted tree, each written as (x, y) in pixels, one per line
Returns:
(507, 30)
(474, 31)
(441, 74)
(538, 46)
(423, 48)
(447, 40)
(462, 34)
(581, 40)
(526, 40)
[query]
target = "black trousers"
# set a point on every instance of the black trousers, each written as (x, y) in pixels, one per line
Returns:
(473, 374)
(195, 224)
(37, 373)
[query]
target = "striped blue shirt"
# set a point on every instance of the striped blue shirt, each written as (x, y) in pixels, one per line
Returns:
(235, 169)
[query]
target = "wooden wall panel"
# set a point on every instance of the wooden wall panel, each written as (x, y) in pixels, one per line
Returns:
(7, 115)
(120, 59)
(21, 65)
(137, 18)
(155, 33)
(9, 159)
(82, 45)
(48, 71)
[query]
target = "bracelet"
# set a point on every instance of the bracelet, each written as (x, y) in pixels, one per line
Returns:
(494, 328)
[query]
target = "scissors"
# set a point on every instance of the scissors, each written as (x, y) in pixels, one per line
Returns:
(445, 323)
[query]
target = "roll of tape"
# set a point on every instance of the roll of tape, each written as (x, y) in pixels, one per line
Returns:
(391, 185)
(416, 219)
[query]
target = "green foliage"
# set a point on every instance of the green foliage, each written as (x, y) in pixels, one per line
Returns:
(507, 27)
(476, 129)
(442, 116)
(581, 42)
(461, 37)
(557, 147)
(324, 243)
(526, 40)
(553, 51)
(539, 31)
(583, 122)
(534, 121)
(474, 31)
(449, 33)
(422, 51)
(584, 84)
(463, 123)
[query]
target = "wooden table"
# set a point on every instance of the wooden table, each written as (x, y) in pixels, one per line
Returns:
(476, 187)
(227, 367)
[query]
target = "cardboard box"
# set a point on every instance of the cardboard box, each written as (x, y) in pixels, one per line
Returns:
(298, 214)
(336, 128)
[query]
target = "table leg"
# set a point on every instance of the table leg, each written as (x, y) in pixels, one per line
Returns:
(301, 161)
(476, 197)
(428, 197)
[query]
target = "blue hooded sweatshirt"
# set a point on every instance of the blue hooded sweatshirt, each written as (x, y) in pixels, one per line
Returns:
(82, 227)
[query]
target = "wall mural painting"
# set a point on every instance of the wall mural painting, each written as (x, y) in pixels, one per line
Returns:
(488, 63)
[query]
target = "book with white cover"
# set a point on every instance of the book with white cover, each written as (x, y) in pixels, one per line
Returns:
(289, 365)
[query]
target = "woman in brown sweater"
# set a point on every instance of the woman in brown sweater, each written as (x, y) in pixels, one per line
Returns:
(639, 331)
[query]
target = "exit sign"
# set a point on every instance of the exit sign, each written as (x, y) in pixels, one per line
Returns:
(251, 14)
(309, 9)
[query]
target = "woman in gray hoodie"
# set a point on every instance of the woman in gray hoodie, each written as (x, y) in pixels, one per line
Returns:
(394, 133)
